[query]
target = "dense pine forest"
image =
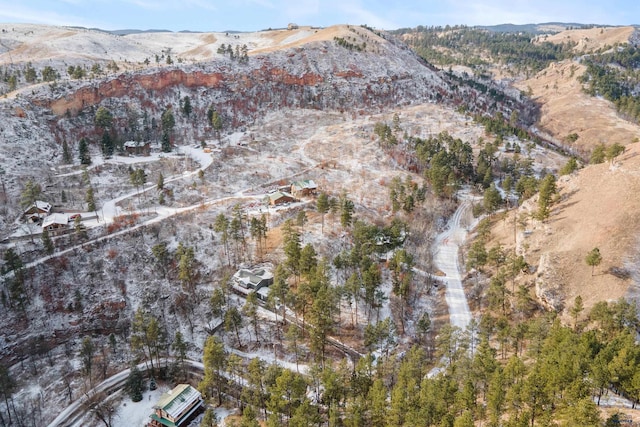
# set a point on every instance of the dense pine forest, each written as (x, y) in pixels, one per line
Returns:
(615, 75)
(460, 45)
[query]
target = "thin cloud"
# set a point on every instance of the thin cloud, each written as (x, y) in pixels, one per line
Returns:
(261, 3)
(16, 13)
(301, 9)
(358, 14)
(159, 5)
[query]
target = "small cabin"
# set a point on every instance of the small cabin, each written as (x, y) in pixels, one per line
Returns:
(56, 223)
(280, 198)
(37, 211)
(304, 188)
(137, 148)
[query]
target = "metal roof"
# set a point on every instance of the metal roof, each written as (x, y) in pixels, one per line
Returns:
(56, 218)
(176, 401)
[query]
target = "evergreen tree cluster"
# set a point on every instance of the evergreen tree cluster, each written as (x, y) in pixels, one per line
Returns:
(240, 53)
(615, 75)
(447, 162)
(462, 45)
(544, 373)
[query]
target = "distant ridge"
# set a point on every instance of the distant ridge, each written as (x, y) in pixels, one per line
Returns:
(127, 32)
(545, 27)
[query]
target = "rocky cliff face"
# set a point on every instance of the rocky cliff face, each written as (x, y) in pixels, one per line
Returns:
(320, 75)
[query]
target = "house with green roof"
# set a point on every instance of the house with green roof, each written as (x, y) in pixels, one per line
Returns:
(177, 407)
(303, 188)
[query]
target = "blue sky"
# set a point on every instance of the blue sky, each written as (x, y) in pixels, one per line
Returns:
(253, 15)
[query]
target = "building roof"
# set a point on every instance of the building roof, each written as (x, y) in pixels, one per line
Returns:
(40, 205)
(55, 219)
(263, 293)
(252, 277)
(308, 184)
(176, 401)
(279, 195)
(135, 144)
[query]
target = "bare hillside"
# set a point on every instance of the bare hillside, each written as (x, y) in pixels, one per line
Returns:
(593, 38)
(566, 109)
(598, 207)
(62, 46)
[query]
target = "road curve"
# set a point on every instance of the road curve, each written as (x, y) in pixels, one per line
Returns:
(75, 412)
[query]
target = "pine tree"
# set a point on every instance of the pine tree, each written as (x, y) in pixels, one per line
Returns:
(346, 211)
(86, 353)
(209, 419)
(83, 152)
(90, 199)
(107, 144)
(135, 384)
(547, 191)
(168, 121)
(578, 307)
(179, 346)
(47, 242)
(160, 182)
(216, 122)
(104, 118)
(250, 310)
(186, 106)
(166, 142)
(322, 205)
(593, 259)
(66, 153)
(31, 193)
(214, 359)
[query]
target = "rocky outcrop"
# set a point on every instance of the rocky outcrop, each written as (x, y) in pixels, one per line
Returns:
(320, 75)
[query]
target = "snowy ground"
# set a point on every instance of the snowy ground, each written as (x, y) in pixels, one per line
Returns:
(136, 414)
(335, 150)
(446, 259)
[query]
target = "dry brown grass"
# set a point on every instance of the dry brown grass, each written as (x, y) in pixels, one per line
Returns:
(304, 35)
(566, 109)
(598, 207)
(591, 39)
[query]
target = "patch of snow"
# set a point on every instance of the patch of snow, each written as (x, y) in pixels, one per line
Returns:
(136, 414)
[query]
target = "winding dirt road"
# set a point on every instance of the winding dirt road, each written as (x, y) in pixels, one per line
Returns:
(446, 251)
